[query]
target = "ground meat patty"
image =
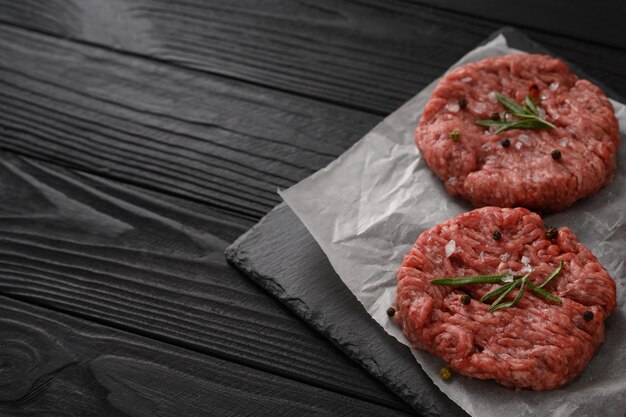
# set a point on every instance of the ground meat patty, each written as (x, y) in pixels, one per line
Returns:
(477, 167)
(535, 344)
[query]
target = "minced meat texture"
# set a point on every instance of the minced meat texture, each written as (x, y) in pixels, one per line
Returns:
(536, 344)
(477, 167)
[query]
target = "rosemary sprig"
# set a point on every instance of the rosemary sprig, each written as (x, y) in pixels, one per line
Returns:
(502, 292)
(474, 279)
(529, 117)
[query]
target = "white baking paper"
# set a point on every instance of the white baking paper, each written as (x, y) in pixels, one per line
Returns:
(368, 207)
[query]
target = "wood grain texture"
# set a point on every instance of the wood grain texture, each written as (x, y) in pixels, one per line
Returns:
(582, 20)
(213, 140)
(55, 365)
(365, 54)
(93, 248)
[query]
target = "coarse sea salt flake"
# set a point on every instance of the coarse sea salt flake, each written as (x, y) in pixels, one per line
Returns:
(553, 86)
(492, 97)
(526, 268)
(564, 142)
(452, 107)
(493, 128)
(525, 260)
(523, 138)
(508, 277)
(505, 257)
(519, 145)
(479, 107)
(466, 80)
(450, 248)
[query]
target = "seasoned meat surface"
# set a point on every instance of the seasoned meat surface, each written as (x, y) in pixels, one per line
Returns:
(475, 165)
(536, 344)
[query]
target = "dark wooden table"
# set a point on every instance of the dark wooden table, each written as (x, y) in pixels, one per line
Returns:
(140, 137)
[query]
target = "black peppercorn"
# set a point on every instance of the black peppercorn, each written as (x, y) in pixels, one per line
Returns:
(466, 299)
(552, 232)
(462, 103)
(556, 154)
(495, 116)
(391, 311)
(506, 142)
(588, 315)
(496, 235)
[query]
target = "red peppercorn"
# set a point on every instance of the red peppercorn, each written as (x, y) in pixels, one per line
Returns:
(533, 91)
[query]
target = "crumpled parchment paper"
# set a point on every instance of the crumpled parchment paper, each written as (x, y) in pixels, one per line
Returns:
(368, 207)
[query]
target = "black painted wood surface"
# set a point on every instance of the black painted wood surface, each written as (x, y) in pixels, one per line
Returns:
(95, 249)
(56, 365)
(210, 139)
(368, 54)
(179, 119)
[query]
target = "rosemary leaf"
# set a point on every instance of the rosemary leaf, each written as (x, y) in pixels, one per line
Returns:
(543, 292)
(530, 123)
(496, 292)
(495, 304)
(511, 105)
(556, 272)
(488, 122)
(475, 279)
(515, 300)
(530, 105)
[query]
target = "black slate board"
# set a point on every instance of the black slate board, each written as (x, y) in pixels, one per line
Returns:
(280, 254)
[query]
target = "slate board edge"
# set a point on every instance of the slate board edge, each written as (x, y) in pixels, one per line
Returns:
(240, 258)
(515, 39)
(237, 258)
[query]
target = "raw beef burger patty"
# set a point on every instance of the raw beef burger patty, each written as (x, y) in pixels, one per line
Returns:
(536, 344)
(477, 167)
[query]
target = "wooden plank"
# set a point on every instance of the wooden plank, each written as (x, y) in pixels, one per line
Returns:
(55, 365)
(366, 54)
(581, 20)
(217, 141)
(94, 248)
